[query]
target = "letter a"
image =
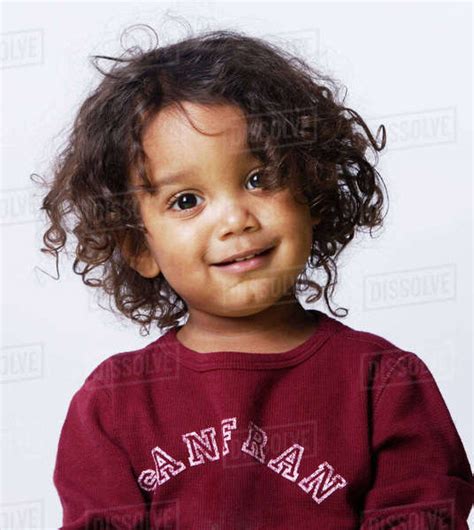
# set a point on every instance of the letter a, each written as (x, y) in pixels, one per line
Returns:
(165, 467)
(288, 461)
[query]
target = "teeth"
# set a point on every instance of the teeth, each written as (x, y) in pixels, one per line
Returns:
(243, 259)
(246, 257)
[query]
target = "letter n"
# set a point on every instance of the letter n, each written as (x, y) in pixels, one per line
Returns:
(322, 482)
(200, 445)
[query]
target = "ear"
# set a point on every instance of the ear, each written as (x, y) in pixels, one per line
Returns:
(142, 260)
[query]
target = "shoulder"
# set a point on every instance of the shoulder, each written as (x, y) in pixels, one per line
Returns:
(129, 369)
(373, 356)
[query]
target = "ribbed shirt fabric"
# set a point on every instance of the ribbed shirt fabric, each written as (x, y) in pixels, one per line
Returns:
(345, 431)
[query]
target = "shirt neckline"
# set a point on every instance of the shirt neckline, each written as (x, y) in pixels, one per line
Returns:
(195, 360)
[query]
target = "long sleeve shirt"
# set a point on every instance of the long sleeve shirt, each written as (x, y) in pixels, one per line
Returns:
(344, 431)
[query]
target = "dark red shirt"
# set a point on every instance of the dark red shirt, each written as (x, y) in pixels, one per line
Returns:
(345, 431)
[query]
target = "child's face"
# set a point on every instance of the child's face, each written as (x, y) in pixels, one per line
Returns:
(221, 211)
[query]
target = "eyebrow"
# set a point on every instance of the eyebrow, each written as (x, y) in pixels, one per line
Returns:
(172, 178)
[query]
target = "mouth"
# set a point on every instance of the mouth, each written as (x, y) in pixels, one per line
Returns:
(251, 263)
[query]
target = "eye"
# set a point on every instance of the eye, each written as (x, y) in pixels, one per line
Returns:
(183, 198)
(179, 199)
(259, 172)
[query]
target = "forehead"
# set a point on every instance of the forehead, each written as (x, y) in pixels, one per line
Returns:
(172, 134)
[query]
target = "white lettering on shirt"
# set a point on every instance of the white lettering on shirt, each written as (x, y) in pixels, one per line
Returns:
(203, 447)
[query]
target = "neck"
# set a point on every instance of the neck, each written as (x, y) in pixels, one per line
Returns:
(278, 326)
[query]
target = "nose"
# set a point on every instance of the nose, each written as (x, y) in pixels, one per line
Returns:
(236, 217)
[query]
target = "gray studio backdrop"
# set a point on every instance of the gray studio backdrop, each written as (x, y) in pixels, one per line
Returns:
(407, 66)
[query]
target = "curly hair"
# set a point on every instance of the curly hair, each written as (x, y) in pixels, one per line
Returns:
(295, 123)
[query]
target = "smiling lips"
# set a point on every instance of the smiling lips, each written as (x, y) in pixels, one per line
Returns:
(246, 264)
(245, 255)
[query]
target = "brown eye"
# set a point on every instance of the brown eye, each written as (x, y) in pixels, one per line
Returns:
(178, 199)
(253, 175)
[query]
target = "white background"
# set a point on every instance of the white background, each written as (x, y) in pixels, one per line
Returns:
(406, 65)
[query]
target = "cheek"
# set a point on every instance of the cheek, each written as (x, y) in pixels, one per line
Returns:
(177, 254)
(295, 224)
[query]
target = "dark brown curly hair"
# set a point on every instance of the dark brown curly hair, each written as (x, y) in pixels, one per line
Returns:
(304, 136)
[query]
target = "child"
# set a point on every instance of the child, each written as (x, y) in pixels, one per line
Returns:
(255, 413)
